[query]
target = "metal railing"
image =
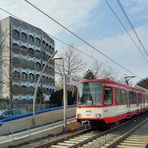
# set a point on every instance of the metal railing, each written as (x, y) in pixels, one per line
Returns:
(11, 128)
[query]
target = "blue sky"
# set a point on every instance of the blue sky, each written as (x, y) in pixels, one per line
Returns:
(93, 21)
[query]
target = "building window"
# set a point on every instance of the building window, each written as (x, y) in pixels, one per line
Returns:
(15, 62)
(30, 90)
(38, 42)
(16, 75)
(37, 77)
(43, 44)
(24, 37)
(31, 39)
(31, 52)
(14, 45)
(38, 54)
(43, 79)
(44, 56)
(31, 76)
(15, 34)
(24, 76)
(31, 65)
(24, 89)
(47, 46)
(15, 89)
(53, 49)
(38, 65)
(24, 50)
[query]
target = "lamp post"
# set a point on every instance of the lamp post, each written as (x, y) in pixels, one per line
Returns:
(64, 97)
(39, 79)
(64, 101)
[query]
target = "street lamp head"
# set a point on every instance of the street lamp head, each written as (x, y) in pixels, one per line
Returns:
(57, 59)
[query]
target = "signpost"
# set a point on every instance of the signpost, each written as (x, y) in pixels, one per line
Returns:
(67, 80)
(72, 80)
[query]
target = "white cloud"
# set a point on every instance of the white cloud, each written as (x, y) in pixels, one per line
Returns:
(68, 12)
(77, 14)
(136, 8)
(121, 49)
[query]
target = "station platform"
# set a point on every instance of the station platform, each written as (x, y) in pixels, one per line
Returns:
(34, 133)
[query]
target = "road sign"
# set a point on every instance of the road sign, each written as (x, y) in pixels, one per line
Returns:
(72, 80)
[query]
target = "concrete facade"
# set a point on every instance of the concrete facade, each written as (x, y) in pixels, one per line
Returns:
(24, 51)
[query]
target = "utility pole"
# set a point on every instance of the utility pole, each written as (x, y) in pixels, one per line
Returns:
(64, 102)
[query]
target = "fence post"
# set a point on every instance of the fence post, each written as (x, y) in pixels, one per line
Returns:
(12, 134)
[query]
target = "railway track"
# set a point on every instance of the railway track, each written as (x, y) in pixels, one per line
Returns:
(137, 137)
(95, 138)
(58, 140)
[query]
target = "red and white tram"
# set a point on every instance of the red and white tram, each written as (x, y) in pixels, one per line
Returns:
(102, 101)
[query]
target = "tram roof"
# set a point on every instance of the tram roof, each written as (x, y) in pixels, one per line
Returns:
(143, 83)
(112, 83)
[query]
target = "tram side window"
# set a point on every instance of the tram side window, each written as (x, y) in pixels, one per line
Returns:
(144, 99)
(147, 99)
(108, 96)
(132, 97)
(124, 95)
(139, 98)
(118, 96)
(135, 98)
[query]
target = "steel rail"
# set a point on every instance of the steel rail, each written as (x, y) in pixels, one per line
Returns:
(81, 138)
(63, 138)
(126, 135)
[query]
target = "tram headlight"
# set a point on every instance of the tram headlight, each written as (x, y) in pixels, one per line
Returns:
(98, 115)
(79, 115)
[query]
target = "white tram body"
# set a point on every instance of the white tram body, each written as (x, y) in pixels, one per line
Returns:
(105, 101)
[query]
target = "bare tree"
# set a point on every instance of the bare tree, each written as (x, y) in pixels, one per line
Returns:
(103, 72)
(108, 73)
(73, 62)
(97, 69)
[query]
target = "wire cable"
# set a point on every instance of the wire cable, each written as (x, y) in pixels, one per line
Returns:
(10, 14)
(125, 14)
(119, 20)
(81, 38)
(90, 56)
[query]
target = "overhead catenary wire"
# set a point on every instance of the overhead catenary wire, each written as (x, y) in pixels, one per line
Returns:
(90, 56)
(119, 20)
(59, 40)
(84, 41)
(4, 39)
(130, 23)
(10, 13)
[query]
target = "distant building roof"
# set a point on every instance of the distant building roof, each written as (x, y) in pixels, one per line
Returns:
(143, 83)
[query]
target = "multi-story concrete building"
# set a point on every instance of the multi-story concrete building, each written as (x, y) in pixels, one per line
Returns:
(24, 50)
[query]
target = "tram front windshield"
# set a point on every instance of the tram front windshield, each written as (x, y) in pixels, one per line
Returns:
(90, 93)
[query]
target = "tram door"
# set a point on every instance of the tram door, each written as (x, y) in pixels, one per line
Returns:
(139, 101)
(127, 102)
